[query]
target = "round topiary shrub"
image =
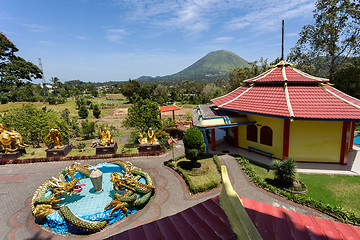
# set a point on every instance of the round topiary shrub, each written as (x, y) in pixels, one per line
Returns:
(193, 143)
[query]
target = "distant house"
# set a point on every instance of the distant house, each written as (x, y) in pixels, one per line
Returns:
(102, 87)
(285, 113)
(49, 87)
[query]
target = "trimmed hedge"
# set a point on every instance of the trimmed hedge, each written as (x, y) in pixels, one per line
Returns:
(205, 187)
(71, 158)
(335, 211)
(217, 163)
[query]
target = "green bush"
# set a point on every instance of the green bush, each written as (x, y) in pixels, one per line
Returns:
(4, 99)
(285, 172)
(193, 143)
(217, 163)
(163, 138)
(96, 111)
(83, 112)
(87, 129)
(191, 153)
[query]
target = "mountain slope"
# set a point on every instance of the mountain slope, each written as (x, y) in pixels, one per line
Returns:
(207, 69)
(215, 62)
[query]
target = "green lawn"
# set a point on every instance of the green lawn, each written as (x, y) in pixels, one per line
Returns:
(199, 181)
(336, 190)
(87, 151)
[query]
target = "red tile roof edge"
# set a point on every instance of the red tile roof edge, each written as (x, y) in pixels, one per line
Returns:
(169, 108)
(207, 220)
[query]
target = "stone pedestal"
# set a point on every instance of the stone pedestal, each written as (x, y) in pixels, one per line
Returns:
(96, 179)
(22, 151)
(58, 152)
(111, 149)
(149, 147)
(10, 156)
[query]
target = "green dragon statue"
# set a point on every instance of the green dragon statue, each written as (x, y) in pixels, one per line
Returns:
(129, 181)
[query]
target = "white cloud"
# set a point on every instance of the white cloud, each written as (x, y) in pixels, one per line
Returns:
(266, 16)
(295, 34)
(116, 35)
(223, 39)
(191, 16)
(194, 17)
(35, 27)
(46, 43)
(83, 38)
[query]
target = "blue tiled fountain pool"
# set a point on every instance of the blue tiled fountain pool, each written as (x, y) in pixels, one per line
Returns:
(89, 205)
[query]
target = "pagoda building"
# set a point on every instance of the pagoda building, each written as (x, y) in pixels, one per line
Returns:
(284, 113)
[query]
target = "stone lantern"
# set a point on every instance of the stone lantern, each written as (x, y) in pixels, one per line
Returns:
(96, 179)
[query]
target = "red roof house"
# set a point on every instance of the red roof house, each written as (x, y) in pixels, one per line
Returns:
(287, 113)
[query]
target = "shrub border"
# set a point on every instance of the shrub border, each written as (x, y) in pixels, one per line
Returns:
(71, 158)
(171, 163)
(336, 212)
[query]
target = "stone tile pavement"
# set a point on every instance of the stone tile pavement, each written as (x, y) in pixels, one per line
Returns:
(19, 182)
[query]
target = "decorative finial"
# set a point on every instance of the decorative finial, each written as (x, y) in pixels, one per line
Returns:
(282, 47)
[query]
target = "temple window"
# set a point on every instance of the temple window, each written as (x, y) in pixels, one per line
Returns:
(251, 133)
(266, 135)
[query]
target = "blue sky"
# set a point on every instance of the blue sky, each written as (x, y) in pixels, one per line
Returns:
(114, 40)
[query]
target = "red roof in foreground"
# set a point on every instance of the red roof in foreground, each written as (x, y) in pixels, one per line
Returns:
(289, 93)
(207, 220)
(169, 108)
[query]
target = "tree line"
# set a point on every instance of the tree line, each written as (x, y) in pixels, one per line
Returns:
(327, 48)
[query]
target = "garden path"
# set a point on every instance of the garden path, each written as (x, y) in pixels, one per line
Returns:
(19, 182)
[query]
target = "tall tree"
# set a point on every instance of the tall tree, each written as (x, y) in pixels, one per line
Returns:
(144, 114)
(348, 79)
(239, 74)
(131, 90)
(14, 69)
(333, 37)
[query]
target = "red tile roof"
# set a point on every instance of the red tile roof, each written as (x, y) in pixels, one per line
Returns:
(208, 221)
(315, 102)
(169, 108)
(289, 93)
(283, 72)
(257, 100)
(205, 220)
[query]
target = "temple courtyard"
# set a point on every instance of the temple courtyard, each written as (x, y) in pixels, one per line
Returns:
(18, 183)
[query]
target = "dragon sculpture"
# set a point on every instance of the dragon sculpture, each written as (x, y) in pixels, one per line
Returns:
(42, 206)
(129, 182)
(135, 194)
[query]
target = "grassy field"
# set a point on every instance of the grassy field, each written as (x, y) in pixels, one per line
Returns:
(336, 190)
(114, 108)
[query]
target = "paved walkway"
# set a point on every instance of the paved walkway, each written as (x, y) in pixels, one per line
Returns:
(19, 182)
(352, 168)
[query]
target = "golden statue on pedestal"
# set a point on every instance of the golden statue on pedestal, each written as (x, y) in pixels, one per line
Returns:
(105, 138)
(150, 139)
(55, 137)
(10, 141)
